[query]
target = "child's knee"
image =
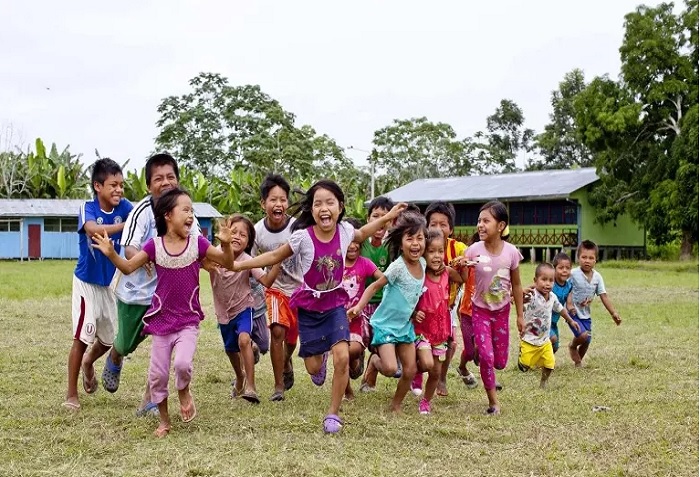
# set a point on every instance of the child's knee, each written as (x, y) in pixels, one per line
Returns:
(278, 333)
(244, 340)
(183, 368)
(341, 360)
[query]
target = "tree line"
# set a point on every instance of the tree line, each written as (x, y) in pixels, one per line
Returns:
(639, 130)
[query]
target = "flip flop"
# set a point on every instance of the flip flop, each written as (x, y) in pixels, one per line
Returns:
(235, 390)
(161, 431)
(90, 386)
(468, 379)
(71, 406)
(251, 396)
(277, 396)
(193, 411)
(332, 424)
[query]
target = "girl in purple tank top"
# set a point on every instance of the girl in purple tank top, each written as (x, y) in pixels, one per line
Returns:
(321, 240)
(174, 316)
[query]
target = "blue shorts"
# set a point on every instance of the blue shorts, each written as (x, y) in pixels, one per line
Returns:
(260, 334)
(242, 323)
(320, 331)
(584, 325)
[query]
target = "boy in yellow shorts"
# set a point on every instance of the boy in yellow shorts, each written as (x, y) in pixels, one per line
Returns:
(535, 346)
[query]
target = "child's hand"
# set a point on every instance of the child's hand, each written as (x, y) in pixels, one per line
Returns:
(103, 243)
(521, 325)
(419, 317)
(211, 267)
(528, 293)
(575, 325)
(395, 211)
(148, 266)
(353, 313)
(440, 270)
(616, 318)
(225, 235)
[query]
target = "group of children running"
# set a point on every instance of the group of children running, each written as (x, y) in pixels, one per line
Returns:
(398, 286)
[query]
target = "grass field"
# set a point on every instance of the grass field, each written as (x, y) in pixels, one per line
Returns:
(645, 371)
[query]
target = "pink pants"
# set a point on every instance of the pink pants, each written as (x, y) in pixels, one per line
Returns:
(465, 324)
(491, 339)
(183, 344)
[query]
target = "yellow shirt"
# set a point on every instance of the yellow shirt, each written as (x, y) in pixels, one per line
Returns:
(453, 249)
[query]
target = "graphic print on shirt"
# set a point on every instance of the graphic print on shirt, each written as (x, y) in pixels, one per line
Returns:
(351, 286)
(496, 292)
(327, 265)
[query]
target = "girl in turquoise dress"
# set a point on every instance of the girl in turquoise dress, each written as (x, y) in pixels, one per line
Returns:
(393, 329)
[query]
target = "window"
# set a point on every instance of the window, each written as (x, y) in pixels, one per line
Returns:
(543, 213)
(9, 225)
(61, 224)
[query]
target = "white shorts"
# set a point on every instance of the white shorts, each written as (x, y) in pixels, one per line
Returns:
(94, 313)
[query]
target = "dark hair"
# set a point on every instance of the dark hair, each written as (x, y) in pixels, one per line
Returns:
(270, 182)
(587, 245)
(101, 169)
(251, 229)
(499, 212)
(354, 222)
(408, 223)
(543, 266)
(434, 234)
(164, 205)
(161, 159)
(444, 208)
(305, 205)
(381, 202)
(560, 257)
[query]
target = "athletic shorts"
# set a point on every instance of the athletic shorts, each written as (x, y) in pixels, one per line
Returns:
(94, 313)
(280, 313)
(130, 329)
(438, 350)
(260, 334)
(584, 325)
(532, 356)
(241, 323)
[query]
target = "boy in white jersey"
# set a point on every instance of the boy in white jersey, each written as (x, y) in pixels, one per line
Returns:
(586, 283)
(134, 291)
(271, 232)
(94, 309)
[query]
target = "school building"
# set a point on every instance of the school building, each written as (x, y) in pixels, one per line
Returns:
(549, 211)
(46, 228)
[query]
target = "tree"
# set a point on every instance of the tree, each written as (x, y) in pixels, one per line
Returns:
(416, 148)
(506, 136)
(561, 146)
(642, 129)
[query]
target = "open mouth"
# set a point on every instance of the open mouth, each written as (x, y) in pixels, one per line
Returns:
(278, 214)
(325, 220)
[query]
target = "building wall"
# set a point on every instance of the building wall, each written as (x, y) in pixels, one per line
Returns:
(9, 244)
(621, 233)
(59, 245)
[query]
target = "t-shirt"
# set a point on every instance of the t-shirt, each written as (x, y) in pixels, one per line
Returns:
(401, 294)
(492, 287)
(584, 291)
(231, 290)
(354, 279)
(561, 291)
(538, 317)
(322, 265)
(93, 267)
(266, 240)
(436, 326)
(380, 257)
(137, 288)
(454, 249)
(175, 305)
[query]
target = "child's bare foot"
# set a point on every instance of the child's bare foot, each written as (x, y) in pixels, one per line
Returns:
(349, 396)
(90, 383)
(578, 365)
(163, 430)
(188, 411)
(575, 357)
(441, 388)
(395, 409)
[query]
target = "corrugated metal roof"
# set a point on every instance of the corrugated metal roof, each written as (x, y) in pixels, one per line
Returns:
(70, 207)
(552, 184)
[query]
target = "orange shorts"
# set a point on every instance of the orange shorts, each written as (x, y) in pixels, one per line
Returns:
(280, 313)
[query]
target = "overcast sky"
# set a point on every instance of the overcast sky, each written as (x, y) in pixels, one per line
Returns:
(91, 74)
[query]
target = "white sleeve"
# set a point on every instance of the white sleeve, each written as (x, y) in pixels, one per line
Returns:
(135, 226)
(196, 229)
(347, 234)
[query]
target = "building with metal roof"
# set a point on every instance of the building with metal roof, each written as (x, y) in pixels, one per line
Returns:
(549, 210)
(46, 228)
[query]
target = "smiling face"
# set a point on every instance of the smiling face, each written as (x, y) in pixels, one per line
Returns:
(488, 227)
(442, 222)
(181, 218)
(378, 213)
(111, 191)
(413, 246)
(434, 253)
(275, 206)
(544, 281)
(326, 209)
(163, 178)
(240, 237)
(353, 251)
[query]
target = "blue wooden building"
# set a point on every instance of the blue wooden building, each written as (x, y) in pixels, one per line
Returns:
(46, 228)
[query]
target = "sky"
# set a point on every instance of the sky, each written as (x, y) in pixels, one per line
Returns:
(91, 74)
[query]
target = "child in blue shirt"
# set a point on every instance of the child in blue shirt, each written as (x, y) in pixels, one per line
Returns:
(94, 306)
(562, 290)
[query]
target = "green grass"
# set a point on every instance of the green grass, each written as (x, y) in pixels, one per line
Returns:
(646, 371)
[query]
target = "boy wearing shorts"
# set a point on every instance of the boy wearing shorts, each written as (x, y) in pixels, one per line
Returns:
(586, 283)
(535, 346)
(94, 308)
(271, 232)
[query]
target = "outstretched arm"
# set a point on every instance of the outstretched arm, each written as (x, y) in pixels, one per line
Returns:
(370, 228)
(269, 278)
(367, 295)
(91, 228)
(266, 259)
(103, 243)
(611, 309)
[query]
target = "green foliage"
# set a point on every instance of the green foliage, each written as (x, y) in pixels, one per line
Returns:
(506, 136)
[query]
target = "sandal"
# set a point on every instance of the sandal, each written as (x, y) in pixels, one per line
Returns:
(251, 396)
(90, 386)
(320, 376)
(150, 408)
(162, 431)
(71, 406)
(192, 411)
(111, 375)
(237, 391)
(332, 424)
(468, 379)
(493, 411)
(277, 396)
